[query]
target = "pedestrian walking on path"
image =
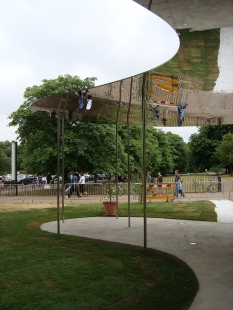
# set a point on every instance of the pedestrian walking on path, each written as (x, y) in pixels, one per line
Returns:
(74, 185)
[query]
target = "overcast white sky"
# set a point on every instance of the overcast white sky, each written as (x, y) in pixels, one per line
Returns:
(108, 39)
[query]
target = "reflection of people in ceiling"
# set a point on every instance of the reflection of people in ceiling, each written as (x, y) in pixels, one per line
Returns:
(82, 96)
(155, 111)
(181, 114)
(89, 102)
(164, 117)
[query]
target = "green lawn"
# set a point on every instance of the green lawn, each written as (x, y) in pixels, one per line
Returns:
(40, 270)
(194, 210)
(201, 67)
(228, 177)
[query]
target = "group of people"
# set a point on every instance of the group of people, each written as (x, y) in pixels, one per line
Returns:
(179, 186)
(77, 184)
(151, 179)
(83, 96)
(43, 180)
(164, 114)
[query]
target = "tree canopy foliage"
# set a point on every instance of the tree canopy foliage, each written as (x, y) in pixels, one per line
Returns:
(178, 149)
(224, 151)
(88, 146)
(5, 162)
(203, 146)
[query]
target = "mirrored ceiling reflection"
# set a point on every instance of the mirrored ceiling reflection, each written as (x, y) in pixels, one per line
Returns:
(170, 101)
(189, 90)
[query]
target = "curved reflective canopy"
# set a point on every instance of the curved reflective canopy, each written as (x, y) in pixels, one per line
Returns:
(194, 88)
(165, 96)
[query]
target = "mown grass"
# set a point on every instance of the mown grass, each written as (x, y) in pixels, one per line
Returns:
(194, 210)
(196, 59)
(40, 270)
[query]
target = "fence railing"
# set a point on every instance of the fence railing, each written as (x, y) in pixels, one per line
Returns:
(192, 189)
(43, 191)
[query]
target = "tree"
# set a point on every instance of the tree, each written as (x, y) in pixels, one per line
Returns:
(224, 151)
(5, 163)
(87, 146)
(26, 120)
(165, 165)
(5, 156)
(203, 144)
(158, 156)
(5, 146)
(38, 131)
(179, 153)
(95, 145)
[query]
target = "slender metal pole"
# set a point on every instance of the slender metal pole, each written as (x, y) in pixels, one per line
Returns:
(62, 136)
(149, 5)
(144, 157)
(14, 165)
(128, 149)
(117, 168)
(117, 191)
(144, 149)
(63, 178)
(58, 164)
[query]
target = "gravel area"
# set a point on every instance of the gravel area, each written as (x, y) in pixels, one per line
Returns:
(224, 210)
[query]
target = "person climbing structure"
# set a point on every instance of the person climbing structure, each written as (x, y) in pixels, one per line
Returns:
(181, 114)
(164, 117)
(155, 111)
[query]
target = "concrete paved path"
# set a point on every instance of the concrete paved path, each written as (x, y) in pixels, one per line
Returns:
(206, 247)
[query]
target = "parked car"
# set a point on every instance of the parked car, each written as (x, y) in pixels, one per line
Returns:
(6, 178)
(26, 179)
(87, 176)
(101, 176)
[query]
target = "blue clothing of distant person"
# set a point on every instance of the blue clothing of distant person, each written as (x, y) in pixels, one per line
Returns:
(177, 179)
(181, 114)
(74, 185)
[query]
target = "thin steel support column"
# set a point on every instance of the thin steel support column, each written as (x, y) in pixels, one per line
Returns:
(144, 149)
(128, 149)
(117, 168)
(63, 144)
(149, 5)
(144, 157)
(117, 192)
(58, 164)
(62, 167)
(14, 165)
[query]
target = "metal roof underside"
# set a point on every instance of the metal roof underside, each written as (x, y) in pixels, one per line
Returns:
(191, 77)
